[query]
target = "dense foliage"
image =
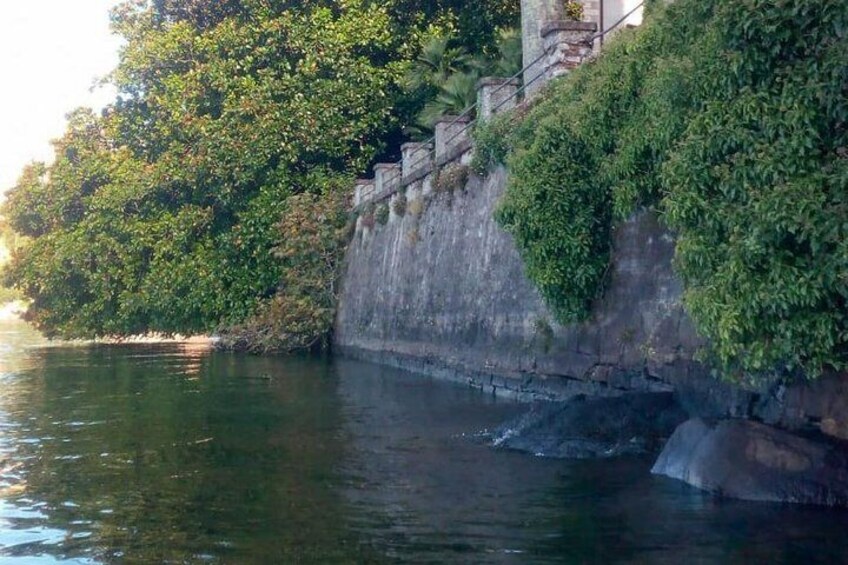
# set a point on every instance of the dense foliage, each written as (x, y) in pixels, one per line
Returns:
(446, 75)
(730, 117)
(161, 214)
(313, 234)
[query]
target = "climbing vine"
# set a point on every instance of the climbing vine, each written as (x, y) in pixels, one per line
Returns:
(735, 130)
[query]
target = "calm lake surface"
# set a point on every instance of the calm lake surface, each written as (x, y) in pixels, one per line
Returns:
(172, 453)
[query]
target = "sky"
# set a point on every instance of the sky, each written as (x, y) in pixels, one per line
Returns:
(51, 53)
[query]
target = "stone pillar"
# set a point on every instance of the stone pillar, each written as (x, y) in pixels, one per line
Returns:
(568, 44)
(495, 96)
(533, 13)
(451, 133)
(386, 178)
(363, 191)
(416, 156)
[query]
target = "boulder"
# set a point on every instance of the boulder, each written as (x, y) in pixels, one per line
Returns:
(819, 405)
(752, 461)
(594, 427)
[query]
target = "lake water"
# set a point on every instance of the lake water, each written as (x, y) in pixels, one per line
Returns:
(174, 454)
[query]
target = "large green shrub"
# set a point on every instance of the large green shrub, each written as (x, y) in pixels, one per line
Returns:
(311, 239)
(730, 118)
(757, 188)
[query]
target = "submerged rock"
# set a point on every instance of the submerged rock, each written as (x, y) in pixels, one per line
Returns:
(584, 428)
(752, 461)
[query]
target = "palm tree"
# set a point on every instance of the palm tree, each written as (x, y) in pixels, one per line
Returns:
(510, 53)
(450, 74)
(436, 63)
(457, 94)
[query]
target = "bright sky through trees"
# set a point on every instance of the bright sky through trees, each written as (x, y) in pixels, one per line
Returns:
(51, 52)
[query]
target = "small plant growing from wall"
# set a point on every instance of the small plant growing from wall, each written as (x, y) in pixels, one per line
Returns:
(573, 10)
(399, 205)
(368, 216)
(382, 214)
(418, 206)
(451, 177)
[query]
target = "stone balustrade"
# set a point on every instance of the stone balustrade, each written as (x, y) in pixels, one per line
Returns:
(496, 96)
(453, 137)
(566, 45)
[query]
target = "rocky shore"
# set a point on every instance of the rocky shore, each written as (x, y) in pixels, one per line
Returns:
(740, 458)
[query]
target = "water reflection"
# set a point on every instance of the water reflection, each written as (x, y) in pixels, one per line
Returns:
(173, 453)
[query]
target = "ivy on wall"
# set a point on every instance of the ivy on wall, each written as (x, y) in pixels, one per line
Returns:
(736, 130)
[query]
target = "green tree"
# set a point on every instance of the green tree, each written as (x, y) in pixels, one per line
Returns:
(161, 214)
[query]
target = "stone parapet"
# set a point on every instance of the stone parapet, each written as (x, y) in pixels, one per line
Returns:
(495, 96)
(363, 191)
(387, 179)
(417, 160)
(567, 44)
(452, 133)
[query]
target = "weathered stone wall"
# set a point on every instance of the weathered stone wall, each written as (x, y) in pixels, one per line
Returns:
(445, 292)
(441, 289)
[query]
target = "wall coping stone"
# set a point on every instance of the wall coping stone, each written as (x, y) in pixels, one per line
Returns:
(448, 119)
(415, 145)
(567, 25)
(455, 152)
(497, 81)
(417, 175)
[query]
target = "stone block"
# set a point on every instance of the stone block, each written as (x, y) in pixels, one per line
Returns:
(416, 157)
(751, 461)
(387, 177)
(567, 44)
(452, 132)
(495, 96)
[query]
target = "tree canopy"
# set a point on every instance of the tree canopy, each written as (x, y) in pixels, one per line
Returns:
(161, 213)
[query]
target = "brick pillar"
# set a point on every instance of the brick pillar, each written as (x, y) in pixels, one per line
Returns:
(568, 44)
(495, 96)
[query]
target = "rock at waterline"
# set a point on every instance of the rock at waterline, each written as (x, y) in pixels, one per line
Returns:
(752, 461)
(597, 427)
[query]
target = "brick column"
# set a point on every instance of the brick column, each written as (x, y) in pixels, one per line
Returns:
(567, 44)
